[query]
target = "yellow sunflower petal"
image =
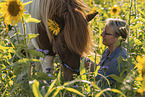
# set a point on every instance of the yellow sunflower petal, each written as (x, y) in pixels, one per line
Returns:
(140, 90)
(115, 10)
(139, 66)
(12, 10)
(138, 58)
(139, 78)
(53, 26)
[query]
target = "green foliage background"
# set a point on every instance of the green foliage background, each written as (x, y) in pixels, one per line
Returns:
(18, 76)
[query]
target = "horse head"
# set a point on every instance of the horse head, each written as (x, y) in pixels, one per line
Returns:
(73, 39)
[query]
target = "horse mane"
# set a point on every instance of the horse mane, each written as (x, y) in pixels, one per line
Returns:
(76, 31)
(75, 28)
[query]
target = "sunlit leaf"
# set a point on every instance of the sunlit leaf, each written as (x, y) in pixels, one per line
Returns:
(74, 91)
(50, 89)
(108, 89)
(137, 42)
(35, 88)
(31, 36)
(57, 91)
(28, 18)
(27, 2)
(96, 71)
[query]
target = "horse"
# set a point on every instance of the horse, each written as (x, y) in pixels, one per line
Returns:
(74, 38)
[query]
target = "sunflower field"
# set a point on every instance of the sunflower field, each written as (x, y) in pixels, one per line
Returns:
(19, 78)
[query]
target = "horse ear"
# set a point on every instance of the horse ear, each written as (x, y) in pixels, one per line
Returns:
(91, 16)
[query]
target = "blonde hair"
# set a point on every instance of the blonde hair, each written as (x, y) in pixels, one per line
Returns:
(118, 26)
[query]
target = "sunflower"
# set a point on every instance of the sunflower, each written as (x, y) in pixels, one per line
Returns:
(141, 70)
(12, 11)
(53, 26)
(90, 1)
(115, 10)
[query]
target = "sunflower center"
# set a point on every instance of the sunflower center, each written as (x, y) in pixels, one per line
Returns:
(13, 8)
(114, 10)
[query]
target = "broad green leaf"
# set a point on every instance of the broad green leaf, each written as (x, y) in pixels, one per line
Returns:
(28, 18)
(36, 53)
(32, 20)
(22, 61)
(74, 91)
(35, 88)
(50, 88)
(42, 76)
(117, 78)
(20, 75)
(31, 36)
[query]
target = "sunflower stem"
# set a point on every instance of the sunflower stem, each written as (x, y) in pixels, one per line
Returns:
(129, 28)
(25, 42)
(17, 35)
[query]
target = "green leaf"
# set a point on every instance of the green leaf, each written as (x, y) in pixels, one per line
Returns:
(59, 88)
(74, 91)
(88, 88)
(138, 42)
(95, 86)
(105, 78)
(82, 70)
(119, 60)
(117, 78)
(16, 86)
(28, 19)
(22, 61)
(74, 81)
(32, 20)
(108, 89)
(36, 53)
(31, 36)
(118, 42)
(27, 3)
(42, 76)
(35, 88)
(50, 89)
